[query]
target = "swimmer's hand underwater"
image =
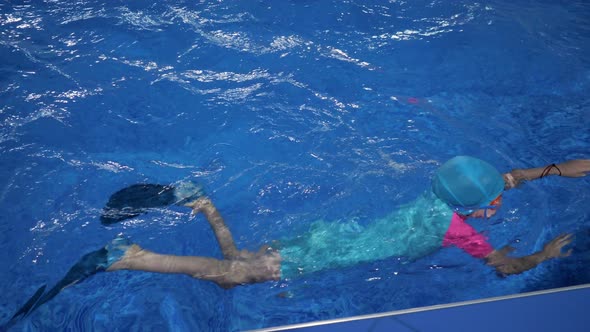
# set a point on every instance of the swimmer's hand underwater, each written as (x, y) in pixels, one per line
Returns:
(514, 265)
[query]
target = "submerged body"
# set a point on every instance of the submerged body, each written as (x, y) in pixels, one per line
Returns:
(414, 230)
(468, 186)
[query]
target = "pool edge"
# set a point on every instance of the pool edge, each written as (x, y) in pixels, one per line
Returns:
(421, 309)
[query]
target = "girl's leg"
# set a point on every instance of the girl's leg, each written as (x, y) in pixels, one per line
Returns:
(222, 232)
(136, 258)
(225, 273)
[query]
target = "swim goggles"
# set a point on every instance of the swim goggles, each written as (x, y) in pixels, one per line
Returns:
(467, 210)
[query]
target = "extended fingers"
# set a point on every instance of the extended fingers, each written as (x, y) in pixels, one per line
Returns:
(560, 242)
(564, 239)
(567, 253)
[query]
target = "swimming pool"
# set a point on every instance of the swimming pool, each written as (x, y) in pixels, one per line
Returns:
(287, 112)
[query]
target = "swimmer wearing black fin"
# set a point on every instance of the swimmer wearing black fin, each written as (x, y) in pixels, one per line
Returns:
(138, 199)
(87, 266)
(462, 188)
(126, 203)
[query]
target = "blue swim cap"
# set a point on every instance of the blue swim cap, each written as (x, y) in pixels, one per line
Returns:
(467, 183)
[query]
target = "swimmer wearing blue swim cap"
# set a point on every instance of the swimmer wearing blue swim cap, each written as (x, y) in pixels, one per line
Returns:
(467, 184)
(463, 187)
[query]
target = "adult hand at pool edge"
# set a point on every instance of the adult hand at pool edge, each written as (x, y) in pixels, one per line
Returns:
(575, 168)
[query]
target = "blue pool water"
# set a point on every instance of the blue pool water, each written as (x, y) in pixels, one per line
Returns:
(287, 112)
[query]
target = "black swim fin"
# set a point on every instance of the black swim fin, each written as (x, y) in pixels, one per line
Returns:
(24, 310)
(87, 266)
(30, 303)
(135, 200)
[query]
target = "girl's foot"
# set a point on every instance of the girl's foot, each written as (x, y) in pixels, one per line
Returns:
(187, 191)
(199, 205)
(119, 250)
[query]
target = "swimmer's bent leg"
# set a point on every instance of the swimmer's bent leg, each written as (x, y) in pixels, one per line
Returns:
(222, 232)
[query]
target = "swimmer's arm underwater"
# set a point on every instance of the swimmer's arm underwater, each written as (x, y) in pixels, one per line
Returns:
(571, 168)
(514, 265)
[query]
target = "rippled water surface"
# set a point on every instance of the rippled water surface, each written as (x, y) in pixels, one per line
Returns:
(287, 112)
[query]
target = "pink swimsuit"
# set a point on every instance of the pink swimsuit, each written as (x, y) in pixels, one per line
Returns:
(462, 235)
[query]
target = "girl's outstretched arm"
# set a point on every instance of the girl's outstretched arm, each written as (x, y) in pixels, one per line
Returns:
(571, 168)
(514, 265)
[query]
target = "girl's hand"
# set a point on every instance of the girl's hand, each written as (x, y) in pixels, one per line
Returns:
(553, 248)
(575, 168)
(506, 265)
